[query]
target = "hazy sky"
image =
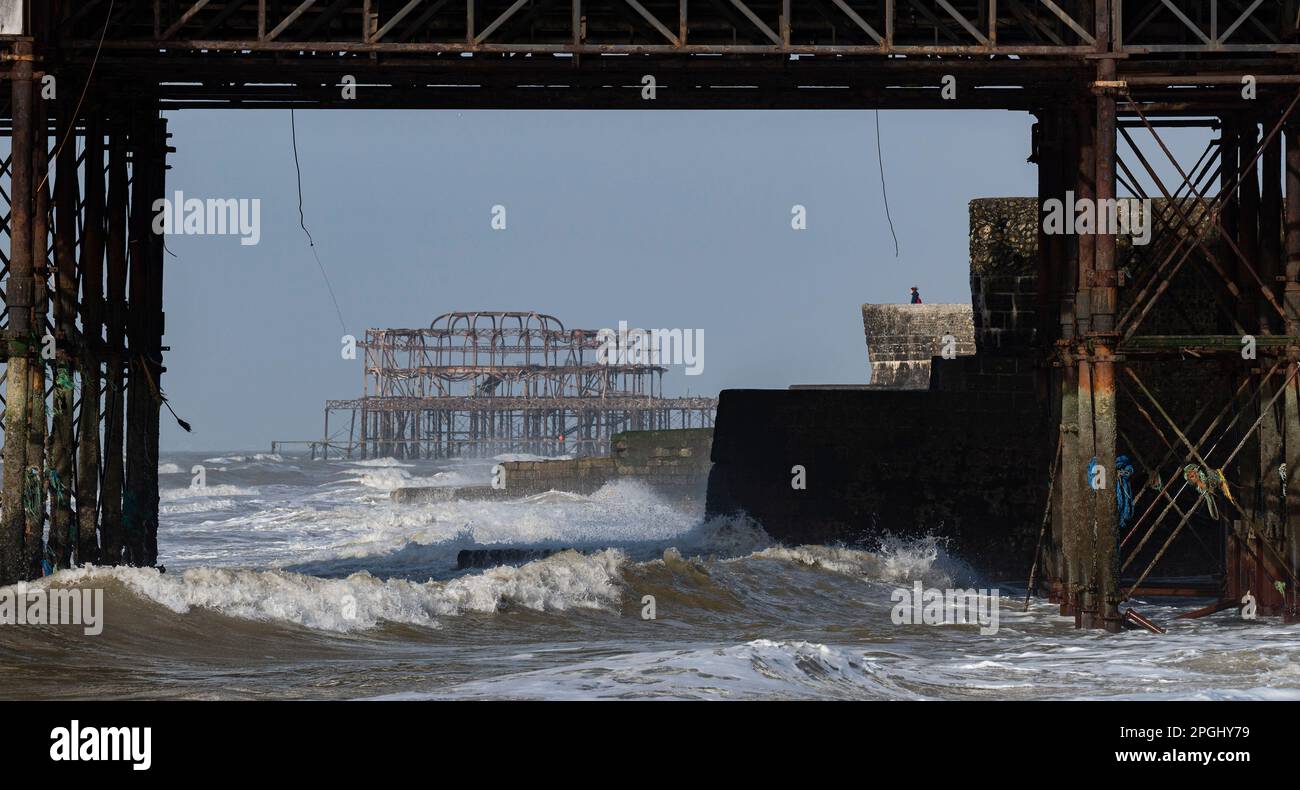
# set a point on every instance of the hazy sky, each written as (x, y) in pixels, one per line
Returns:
(662, 219)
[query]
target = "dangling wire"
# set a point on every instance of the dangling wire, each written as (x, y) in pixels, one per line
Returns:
(72, 124)
(880, 160)
(293, 130)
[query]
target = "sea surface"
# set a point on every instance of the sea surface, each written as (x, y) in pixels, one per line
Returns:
(291, 578)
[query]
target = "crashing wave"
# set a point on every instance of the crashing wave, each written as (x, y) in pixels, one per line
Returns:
(563, 581)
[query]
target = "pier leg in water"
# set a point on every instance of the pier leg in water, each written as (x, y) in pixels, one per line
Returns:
(1105, 303)
(63, 527)
(35, 500)
(18, 298)
(92, 346)
(114, 398)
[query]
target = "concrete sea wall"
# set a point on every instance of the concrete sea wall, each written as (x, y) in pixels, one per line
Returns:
(902, 338)
(675, 463)
(906, 462)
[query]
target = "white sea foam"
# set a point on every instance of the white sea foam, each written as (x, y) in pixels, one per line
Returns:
(896, 560)
(244, 459)
(201, 506)
(564, 581)
(760, 669)
(508, 457)
(379, 462)
(386, 477)
(173, 494)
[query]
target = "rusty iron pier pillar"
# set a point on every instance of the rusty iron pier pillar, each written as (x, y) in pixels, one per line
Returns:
(144, 333)
(1271, 455)
(137, 394)
(91, 269)
(1291, 304)
(1056, 300)
(34, 493)
(155, 328)
(1075, 474)
(1103, 611)
(63, 527)
(1070, 473)
(1249, 302)
(18, 299)
(1088, 519)
(111, 537)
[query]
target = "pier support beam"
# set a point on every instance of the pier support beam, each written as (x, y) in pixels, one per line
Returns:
(1291, 305)
(144, 330)
(1272, 431)
(34, 495)
(1104, 586)
(111, 532)
(1079, 517)
(91, 349)
(63, 527)
(1087, 519)
(156, 174)
(1053, 295)
(18, 299)
(1070, 473)
(1249, 471)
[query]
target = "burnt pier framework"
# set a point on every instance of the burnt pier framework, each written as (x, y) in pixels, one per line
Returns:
(487, 382)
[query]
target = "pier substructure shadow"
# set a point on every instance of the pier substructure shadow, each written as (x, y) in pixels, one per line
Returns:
(82, 322)
(1173, 441)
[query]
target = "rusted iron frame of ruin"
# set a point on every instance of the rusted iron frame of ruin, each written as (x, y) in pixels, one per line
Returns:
(627, 412)
(463, 370)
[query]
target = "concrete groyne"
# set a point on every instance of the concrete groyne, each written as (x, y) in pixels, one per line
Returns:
(673, 463)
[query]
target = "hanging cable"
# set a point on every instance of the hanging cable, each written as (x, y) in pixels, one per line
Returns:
(881, 161)
(72, 124)
(302, 220)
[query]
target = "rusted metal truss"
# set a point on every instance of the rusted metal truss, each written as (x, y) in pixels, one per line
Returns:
(734, 26)
(719, 53)
(492, 382)
(1226, 237)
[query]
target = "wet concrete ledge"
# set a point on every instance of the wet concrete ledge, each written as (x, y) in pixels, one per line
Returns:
(674, 463)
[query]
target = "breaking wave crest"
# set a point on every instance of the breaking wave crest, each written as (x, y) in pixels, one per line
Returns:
(895, 560)
(691, 578)
(557, 583)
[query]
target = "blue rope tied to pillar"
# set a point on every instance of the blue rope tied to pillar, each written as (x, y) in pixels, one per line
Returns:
(1123, 487)
(1124, 490)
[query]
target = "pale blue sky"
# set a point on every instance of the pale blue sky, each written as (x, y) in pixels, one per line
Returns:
(662, 219)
